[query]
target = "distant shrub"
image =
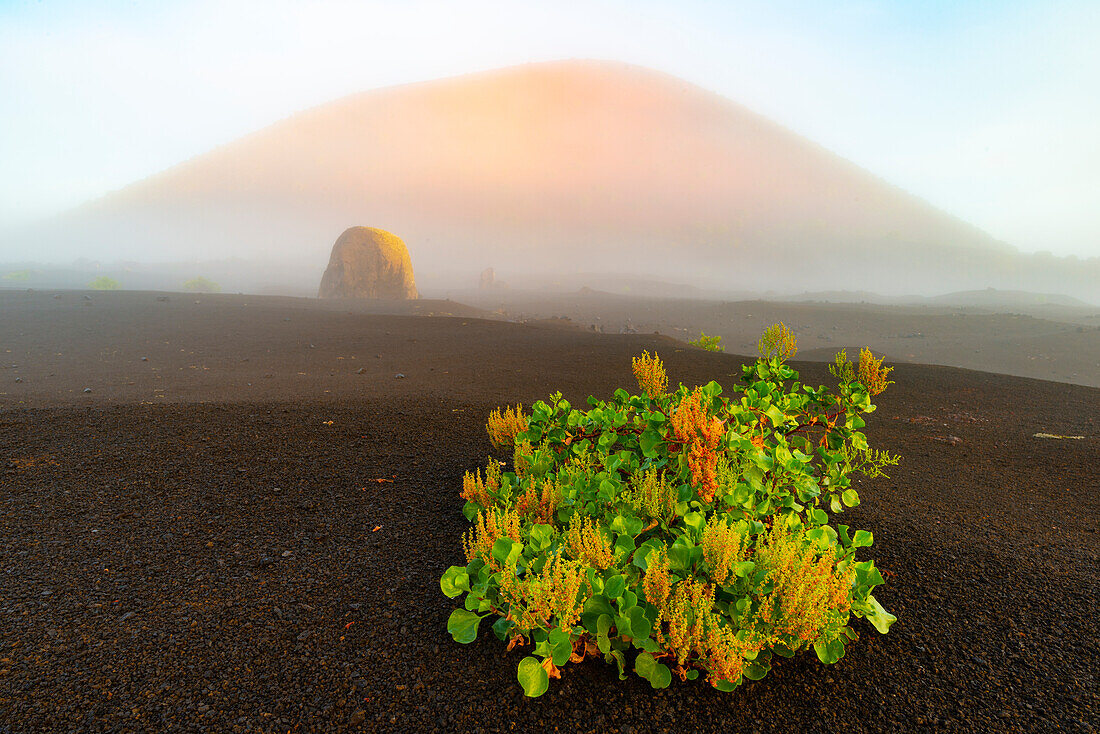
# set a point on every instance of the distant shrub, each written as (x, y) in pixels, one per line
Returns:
(869, 371)
(103, 283)
(684, 529)
(710, 343)
(18, 276)
(201, 285)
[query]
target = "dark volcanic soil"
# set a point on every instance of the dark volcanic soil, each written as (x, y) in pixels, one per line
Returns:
(266, 557)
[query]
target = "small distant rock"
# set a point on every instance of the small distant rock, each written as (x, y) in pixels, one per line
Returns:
(126, 616)
(87, 389)
(57, 296)
(144, 359)
(87, 298)
(949, 440)
(361, 370)
(265, 561)
(18, 379)
(399, 376)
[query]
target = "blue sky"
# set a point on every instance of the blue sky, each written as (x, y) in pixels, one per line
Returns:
(986, 109)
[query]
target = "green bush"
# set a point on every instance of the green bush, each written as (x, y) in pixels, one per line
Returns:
(103, 283)
(201, 285)
(681, 533)
(709, 343)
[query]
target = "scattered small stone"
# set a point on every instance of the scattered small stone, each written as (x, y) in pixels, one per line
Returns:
(361, 370)
(18, 379)
(304, 636)
(399, 376)
(265, 561)
(949, 440)
(87, 298)
(287, 554)
(126, 616)
(87, 389)
(144, 359)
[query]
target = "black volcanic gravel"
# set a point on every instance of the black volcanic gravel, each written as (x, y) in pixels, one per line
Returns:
(235, 566)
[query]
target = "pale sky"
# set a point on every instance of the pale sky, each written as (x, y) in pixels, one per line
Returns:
(987, 109)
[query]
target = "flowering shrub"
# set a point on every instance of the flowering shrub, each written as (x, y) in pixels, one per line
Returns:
(675, 533)
(709, 343)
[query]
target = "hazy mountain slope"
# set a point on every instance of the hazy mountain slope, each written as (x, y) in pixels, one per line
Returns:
(571, 166)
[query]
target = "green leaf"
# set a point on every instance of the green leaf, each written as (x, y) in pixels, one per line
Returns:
(507, 551)
(876, 614)
(533, 677)
(695, 521)
(743, 568)
(603, 626)
(502, 627)
(541, 536)
(462, 625)
(648, 441)
(661, 677)
(640, 626)
(561, 646)
(850, 498)
(775, 415)
(862, 538)
(621, 661)
(455, 580)
(614, 586)
(756, 671)
(679, 554)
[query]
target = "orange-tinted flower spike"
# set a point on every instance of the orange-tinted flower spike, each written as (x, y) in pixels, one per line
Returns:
(650, 374)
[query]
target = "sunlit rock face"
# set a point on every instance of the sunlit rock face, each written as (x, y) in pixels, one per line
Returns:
(369, 263)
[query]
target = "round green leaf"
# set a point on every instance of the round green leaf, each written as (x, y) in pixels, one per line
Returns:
(462, 625)
(661, 676)
(614, 586)
(533, 677)
(455, 581)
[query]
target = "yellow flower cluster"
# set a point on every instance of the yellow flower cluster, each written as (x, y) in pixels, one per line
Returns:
(652, 496)
(650, 374)
(476, 488)
(656, 583)
(722, 547)
(871, 372)
(695, 630)
(536, 599)
(504, 424)
(810, 596)
(585, 542)
(700, 434)
(491, 526)
(539, 503)
(522, 458)
(777, 341)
